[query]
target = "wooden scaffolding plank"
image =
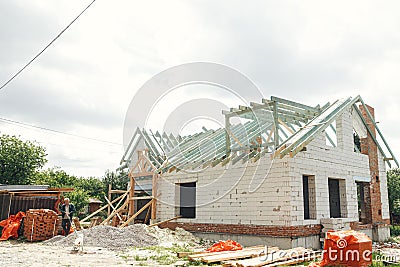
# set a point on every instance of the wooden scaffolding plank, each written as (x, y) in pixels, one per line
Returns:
(137, 213)
(239, 254)
(101, 209)
(196, 256)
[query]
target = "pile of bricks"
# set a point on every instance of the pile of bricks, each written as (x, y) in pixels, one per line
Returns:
(40, 224)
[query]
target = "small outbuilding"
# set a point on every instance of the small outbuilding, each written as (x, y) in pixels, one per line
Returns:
(94, 204)
(15, 198)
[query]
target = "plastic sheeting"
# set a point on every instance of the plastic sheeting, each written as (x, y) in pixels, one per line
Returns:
(11, 226)
(228, 245)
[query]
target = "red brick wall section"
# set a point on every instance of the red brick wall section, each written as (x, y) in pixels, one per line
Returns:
(368, 147)
(358, 226)
(245, 229)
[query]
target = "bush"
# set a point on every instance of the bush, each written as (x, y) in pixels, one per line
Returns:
(395, 230)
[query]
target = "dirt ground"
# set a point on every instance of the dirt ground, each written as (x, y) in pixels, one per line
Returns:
(16, 253)
(136, 245)
(22, 253)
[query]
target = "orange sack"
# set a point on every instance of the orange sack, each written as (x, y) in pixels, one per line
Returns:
(347, 248)
(227, 245)
(11, 226)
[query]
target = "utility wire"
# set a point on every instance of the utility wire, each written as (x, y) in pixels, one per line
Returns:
(47, 46)
(56, 131)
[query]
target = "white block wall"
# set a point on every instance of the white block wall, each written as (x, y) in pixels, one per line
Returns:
(270, 192)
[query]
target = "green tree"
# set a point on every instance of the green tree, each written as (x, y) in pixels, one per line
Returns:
(80, 199)
(118, 180)
(92, 185)
(84, 188)
(54, 177)
(393, 184)
(19, 160)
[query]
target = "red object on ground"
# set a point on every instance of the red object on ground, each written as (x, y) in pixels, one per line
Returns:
(11, 226)
(227, 245)
(347, 248)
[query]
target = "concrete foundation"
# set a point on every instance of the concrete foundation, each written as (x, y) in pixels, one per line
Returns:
(254, 240)
(381, 233)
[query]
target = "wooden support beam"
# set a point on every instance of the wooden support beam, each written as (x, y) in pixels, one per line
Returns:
(109, 203)
(155, 224)
(137, 213)
(109, 197)
(141, 198)
(147, 215)
(154, 194)
(113, 213)
(102, 208)
(286, 127)
(116, 191)
(278, 151)
(131, 201)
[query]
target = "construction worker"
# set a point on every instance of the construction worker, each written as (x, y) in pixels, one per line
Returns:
(67, 210)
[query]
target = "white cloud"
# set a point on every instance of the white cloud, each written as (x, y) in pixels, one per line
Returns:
(308, 51)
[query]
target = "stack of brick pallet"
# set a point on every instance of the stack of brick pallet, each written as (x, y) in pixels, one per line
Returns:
(40, 224)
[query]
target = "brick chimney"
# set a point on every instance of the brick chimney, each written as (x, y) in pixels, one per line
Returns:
(368, 147)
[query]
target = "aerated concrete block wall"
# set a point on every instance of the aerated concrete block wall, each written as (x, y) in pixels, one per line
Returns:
(270, 192)
(245, 193)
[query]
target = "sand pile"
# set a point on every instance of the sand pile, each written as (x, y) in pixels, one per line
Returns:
(168, 238)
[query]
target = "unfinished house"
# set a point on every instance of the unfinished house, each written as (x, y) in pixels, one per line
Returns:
(279, 173)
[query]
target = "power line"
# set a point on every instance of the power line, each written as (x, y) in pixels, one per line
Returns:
(55, 131)
(47, 46)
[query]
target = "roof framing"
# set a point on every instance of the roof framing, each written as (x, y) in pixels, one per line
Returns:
(276, 126)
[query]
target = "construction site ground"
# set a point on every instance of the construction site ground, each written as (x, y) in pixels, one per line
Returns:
(22, 253)
(137, 245)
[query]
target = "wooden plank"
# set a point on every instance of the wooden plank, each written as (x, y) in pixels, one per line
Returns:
(137, 213)
(104, 207)
(204, 254)
(145, 197)
(139, 174)
(112, 206)
(113, 213)
(274, 257)
(239, 254)
(278, 151)
(109, 197)
(131, 206)
(153, 214)
(155, 224)
(147, 215)
(295, 261)
(286, 127)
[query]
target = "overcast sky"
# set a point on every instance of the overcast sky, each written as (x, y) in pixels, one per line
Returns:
(308, 51)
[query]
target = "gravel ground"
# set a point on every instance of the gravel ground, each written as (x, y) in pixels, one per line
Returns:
(21, 254)
(103, 246)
